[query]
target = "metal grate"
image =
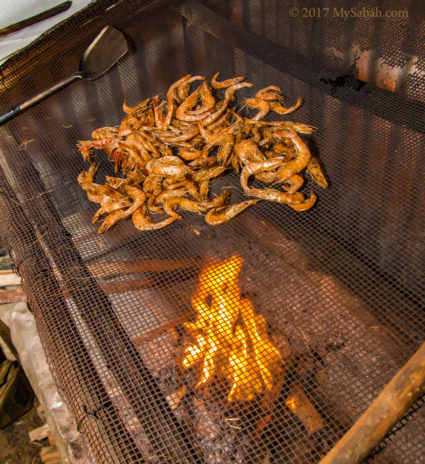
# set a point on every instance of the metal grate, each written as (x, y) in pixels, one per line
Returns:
(341, 286)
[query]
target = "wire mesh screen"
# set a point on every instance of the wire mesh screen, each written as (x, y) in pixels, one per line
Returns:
(333, 296)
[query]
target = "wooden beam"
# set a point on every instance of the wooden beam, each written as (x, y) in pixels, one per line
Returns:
(12, 296)
(8, 278)
(385, 411)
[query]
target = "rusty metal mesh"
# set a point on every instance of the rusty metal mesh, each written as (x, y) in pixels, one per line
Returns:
(341, 286)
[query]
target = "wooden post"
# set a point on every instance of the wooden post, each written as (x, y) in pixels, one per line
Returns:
(385, 411)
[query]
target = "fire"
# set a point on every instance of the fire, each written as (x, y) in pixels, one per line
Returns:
(230, 339)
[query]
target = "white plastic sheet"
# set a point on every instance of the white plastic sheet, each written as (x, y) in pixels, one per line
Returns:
(12, 11)
(32, 358)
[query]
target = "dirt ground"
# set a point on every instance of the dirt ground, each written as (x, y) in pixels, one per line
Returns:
(15, 445)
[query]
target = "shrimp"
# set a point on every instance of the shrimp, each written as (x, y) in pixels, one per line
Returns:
(219, 201)
(110, 220)
(306, 204)
(207, 99)
(128, 125)
(295, 182)
(104, 133)
(167, 194)
(171, 95)
(224, 152)
(217, 216)
(316, 173)
(210, 173)
(171, 204)
(247, 151)
(168, 166)
(204, 187)
(130, 110)
(138, 197)
(266, 176)
(222, 106)
(261, 105)
(255, 168)
(85, 146)
(214, 138)
(158, 114)
(301, 160)
(184, 86)
(280, 109)
(269, 93)
(190, 102)
(223, 84)
(88, 176)
(277, 196)
(143, 222)
(152, 185)
(189, 154)
(115, 182)
(282, 125)
(108, 205)
(191, 132)
(189, 187)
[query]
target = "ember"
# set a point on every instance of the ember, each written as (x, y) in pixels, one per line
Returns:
(231, 340)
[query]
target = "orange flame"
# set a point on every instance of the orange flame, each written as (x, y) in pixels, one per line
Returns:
(230, 339)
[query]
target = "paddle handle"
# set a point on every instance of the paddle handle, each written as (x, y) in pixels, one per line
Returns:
(27, 103)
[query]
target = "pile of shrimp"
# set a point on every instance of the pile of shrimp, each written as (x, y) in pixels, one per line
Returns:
(167, 152)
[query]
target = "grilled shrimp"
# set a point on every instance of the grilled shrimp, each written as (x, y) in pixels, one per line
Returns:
(306, 204)
(261, 105)
(222, 106)
(190, 102)
(295, 182)
(223, 84)
(217, 216)
(143, 222)
(87, 177)
(316, 173)
(277, 196)
(266, 176)
(217, 202)
(171, 204)
(135, 109)
(271, 92)
(152, 185)
(184, 86)
(207, 99)
(167, 194)
(204, 187)
(301, 160)
(189, 154)
(171, 95)
(210, 173)
(105, 133)
(255, 168)
(108, 205)
(168, 166)
(138, 197)
(247, 151)
(85, 146)
(280, 109)
(189, 187)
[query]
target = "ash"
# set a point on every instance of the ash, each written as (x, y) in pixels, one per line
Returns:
(218, 438)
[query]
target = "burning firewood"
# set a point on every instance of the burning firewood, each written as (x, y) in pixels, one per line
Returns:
(230, 339)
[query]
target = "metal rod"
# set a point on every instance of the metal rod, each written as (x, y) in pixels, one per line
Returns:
(385, 411)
